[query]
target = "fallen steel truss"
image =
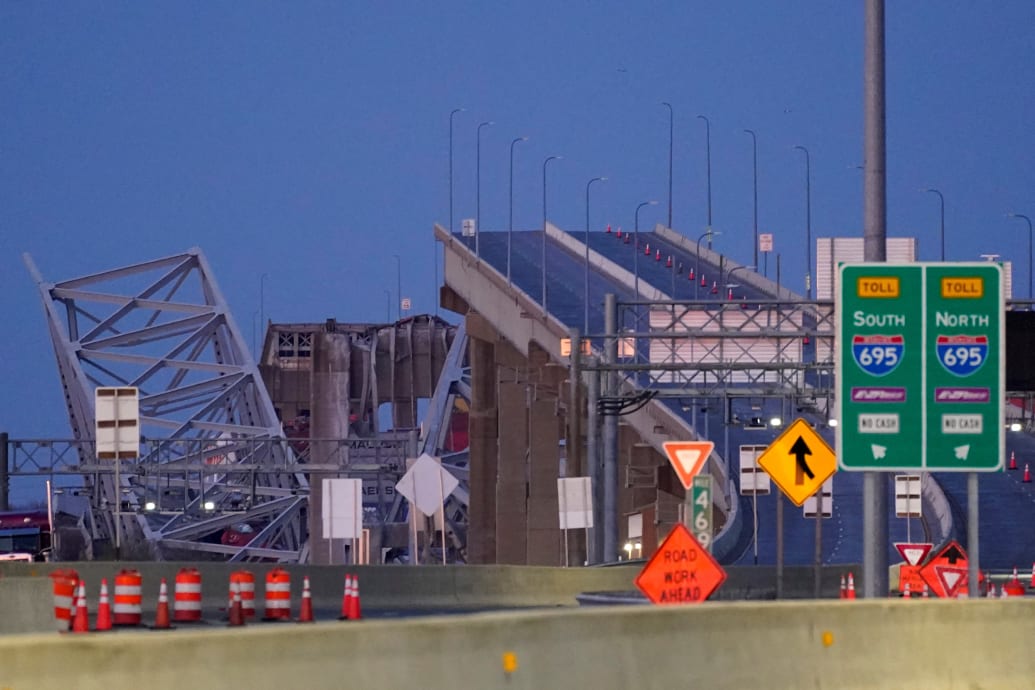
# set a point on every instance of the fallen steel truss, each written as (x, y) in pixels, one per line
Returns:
(164, 327)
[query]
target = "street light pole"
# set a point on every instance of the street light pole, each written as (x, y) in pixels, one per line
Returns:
(510, 221)
(478, 190)
(754, 196)
(262, 305)
(636, 246)
(808, 223)
(453, 112)
(1026, 218)
(708, 161)
(707, 233)
(548, 159)
(941, 204)
(585, 325)
(671, 118)
(434, 253)
(398, 285)
(729, 275)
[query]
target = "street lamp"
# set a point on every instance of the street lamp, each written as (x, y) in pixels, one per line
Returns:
(453, 112)
(398, 285)
(1026, 218)
(729, 278)
(478, 189)
(754, 177)
(808, 223)
(636, 245)
(262, 304)
(434, 253)
(388, 306)
(670, 141)
(510, 222)
(708, 161)
(548, 159)
(709, 232)
(585, 326)
(941, 204)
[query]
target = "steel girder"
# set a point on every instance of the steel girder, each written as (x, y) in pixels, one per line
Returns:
(164, 327)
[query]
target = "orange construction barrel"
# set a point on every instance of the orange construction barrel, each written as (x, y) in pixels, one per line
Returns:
(127, 608)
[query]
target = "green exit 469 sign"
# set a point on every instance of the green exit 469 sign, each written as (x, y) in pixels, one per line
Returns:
(920, 367)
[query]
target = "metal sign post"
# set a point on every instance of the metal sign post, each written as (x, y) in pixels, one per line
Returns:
(920, 371)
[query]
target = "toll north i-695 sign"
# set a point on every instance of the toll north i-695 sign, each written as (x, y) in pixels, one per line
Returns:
(920, 367)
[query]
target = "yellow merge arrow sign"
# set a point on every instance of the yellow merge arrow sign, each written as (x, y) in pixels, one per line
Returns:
(799, 461)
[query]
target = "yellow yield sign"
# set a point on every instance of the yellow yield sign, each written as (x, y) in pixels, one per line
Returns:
(799, 461)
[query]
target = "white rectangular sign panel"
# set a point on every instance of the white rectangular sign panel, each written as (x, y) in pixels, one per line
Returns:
(575, 502)
(753, 479)
(808, 508)
(907, 495)
(342, 508)
(117, 422)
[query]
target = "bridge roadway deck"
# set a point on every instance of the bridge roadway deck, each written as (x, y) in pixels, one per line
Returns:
(1007, 506)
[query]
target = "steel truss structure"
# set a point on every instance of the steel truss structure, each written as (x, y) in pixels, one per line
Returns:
(220, 457)
(705, 349)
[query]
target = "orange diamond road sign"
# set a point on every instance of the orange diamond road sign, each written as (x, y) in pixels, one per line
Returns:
(681, 571)
(687, 458)
(799, 461)
(946, 573)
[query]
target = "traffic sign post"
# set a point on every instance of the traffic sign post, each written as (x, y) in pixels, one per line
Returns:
(701, 494)
(681, 571)
(920, 367)
(947, 573)
(799, 461)
(920, 371)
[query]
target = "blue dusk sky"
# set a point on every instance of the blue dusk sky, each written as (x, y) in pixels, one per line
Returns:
(309, 141)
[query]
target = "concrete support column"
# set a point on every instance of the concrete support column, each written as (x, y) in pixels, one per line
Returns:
(329, 420)
(481, 534)
(512, 483)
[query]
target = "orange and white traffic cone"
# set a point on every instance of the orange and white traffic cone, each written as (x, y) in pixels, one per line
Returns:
(991, 591)
(162, 613)
(668, 262)
(306, 614)
(236, 612)
(690, 276)
(906, 594)
(627, 236)
(1027, 475)
(844, 588)
(608, 228)
(657, 256)
(103, 609)
(1013, 462)
(81, 622)
(1003, 594)
(715, 287)
(356, 612)
(925, 593)
(346, 599)
(704, 281)
(850, 593)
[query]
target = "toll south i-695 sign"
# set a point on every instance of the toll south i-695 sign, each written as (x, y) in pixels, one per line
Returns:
(920, 366)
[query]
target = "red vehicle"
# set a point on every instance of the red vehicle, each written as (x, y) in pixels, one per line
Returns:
(25, 532)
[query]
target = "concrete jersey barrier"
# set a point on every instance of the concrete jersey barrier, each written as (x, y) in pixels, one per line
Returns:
(820, 645)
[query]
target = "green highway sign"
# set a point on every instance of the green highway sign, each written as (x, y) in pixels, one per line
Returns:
(920, 367)
(701, 524)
